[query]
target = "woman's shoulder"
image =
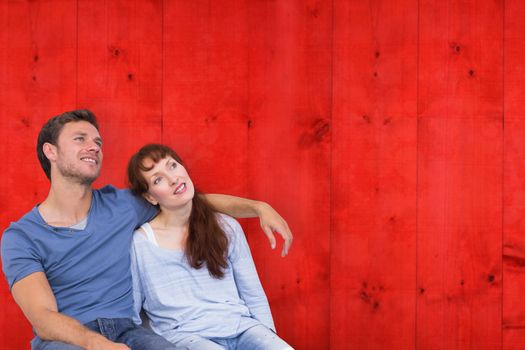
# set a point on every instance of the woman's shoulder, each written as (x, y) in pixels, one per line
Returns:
(140, 234)
(229, 224)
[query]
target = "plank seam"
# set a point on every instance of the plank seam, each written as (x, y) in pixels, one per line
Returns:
(330, 204)
(417, 179)
(76, 59)
(502, 166)
(162, 59)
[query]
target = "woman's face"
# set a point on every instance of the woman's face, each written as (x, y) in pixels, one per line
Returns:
(169, 184)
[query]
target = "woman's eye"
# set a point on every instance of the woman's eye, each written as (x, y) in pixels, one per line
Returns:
(156, 181)
(173, 165)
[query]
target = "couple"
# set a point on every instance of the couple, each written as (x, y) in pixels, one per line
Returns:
(68, 260)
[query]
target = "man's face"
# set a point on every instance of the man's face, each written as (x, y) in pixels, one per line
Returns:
(79, 152)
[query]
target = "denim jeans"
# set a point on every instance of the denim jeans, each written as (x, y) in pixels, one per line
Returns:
(118, 330)
(255, 338)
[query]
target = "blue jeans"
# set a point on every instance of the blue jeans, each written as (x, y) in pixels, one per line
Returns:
(118, 330)
(255, 338)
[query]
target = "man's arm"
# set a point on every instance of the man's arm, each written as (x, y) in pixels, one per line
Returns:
(37, 301)
(270, 220)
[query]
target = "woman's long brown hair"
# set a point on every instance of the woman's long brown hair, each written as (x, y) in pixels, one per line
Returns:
(207, 244)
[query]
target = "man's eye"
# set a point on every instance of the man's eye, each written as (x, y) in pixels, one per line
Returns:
(79, 138)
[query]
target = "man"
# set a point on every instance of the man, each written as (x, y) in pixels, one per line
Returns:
(67, 260)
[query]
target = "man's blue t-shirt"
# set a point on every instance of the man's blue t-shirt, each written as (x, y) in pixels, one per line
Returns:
(88, 270)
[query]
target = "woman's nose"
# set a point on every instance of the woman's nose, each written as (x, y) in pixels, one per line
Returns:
(173, 180)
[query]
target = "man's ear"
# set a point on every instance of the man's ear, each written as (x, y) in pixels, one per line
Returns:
(150, 198)
(50, 151)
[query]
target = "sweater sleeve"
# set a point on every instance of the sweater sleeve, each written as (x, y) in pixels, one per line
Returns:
(245, 274)
(138, 292)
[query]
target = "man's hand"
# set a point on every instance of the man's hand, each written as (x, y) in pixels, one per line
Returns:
(101, 343)
(36, 299)
(239, 207)
(272, 222)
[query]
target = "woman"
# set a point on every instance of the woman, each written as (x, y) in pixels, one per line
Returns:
(192, 268)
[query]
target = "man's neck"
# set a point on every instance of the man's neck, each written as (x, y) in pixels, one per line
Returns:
(66, 204)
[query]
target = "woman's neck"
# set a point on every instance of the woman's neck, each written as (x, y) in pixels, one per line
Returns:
(171, 227)
(174, 218)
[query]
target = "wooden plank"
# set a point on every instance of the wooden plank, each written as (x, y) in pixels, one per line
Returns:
(460, 175)
(11, 318)
(38, 63)
(459, 230)
(120, 77)
(514, 188)
(460, 59)
(205, 90)
(374, 175)
(289, 158)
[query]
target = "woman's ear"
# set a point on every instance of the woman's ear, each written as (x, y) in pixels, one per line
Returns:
(150, 198)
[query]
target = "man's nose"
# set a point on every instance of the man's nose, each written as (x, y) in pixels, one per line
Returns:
(93, 146)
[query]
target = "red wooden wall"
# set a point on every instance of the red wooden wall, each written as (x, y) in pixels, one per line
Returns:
(390, 134)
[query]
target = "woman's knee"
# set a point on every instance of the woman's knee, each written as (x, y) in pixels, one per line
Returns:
(262, 338)
(194, 342)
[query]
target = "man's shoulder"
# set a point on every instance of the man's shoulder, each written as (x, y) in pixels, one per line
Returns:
(122, 199)
(21, 233)
(29, 219)
(110, 190)
(112, 193)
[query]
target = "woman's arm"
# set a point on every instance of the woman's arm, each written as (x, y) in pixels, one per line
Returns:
(246, 278)
(270, 220)
(138, 295)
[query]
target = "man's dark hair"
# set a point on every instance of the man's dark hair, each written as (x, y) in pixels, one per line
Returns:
(52, 128)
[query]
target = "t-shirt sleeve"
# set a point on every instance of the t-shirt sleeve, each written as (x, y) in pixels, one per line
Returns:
(144, 210)
(245, 274)
(19, 256)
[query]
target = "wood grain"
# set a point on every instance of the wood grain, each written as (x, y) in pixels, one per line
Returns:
(374, 175)
(460, 159)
